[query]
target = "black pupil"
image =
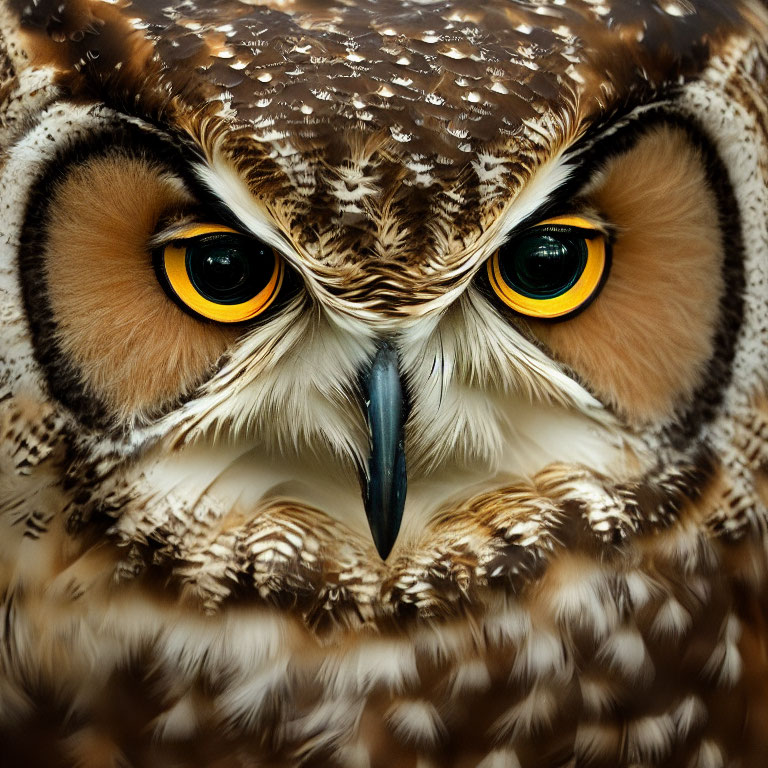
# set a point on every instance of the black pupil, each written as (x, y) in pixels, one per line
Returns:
(542, 265)
(228, 269)
(224, 271)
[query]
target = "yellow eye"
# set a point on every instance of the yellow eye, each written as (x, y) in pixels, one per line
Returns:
(219, 274)
(551, 270)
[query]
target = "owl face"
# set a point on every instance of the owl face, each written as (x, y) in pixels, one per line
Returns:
(374, 304)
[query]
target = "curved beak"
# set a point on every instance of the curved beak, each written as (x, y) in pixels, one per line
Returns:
(386, 483)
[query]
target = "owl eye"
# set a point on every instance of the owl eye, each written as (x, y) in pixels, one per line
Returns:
(219, 274)
(551, 270)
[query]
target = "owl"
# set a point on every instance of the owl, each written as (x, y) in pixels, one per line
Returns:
(383, 383)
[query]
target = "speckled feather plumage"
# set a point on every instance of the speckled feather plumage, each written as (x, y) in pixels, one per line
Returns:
(536, 613)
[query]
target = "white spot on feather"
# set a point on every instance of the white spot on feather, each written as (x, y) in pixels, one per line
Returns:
(245, 700)
(355, 755)
(678, 8)
(178, 722)
(709, 755)
(625, 650)
(725, 665)
(500, 758)
(689, 714)
(639, 587)
(596, 694)
(453, 53)
(375, 663)
(415, 721)
(542, 655)
(581, 599)
(672, 620)
(471, 676)
(532, 713)
(649, 739)
(508, 626)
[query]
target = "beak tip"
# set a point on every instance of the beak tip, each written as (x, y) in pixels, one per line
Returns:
(383, 546)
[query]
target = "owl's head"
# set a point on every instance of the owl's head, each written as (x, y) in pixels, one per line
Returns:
(374, 308)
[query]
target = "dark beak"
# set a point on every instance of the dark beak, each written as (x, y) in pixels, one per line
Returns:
(385, 486)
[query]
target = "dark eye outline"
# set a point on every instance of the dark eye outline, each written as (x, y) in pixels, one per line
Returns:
(582, 291)
(172, 264)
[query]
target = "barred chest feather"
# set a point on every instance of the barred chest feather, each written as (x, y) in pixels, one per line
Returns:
(575, 638)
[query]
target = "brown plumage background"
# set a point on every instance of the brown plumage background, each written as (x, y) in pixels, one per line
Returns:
(187, 577)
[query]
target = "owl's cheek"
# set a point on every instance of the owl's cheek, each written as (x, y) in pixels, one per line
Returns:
(646, 344)
(113, 345)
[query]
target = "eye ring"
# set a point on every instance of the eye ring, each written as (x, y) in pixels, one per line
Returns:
(219, 274)
(571, 247)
